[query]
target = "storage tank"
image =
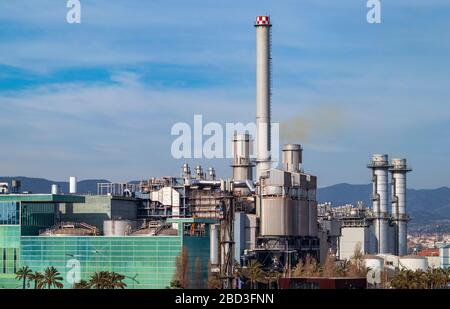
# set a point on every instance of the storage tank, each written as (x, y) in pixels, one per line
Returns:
(55, 189)
(292, 157)
(374, 262)
(214, 244)
(276, 216)
(242, 166)
(413, 262)
(117, 227)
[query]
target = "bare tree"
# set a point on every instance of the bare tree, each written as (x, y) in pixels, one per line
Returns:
(298, 270)
(213, 279)
(180, 278)
(329, 267)
(311, 269)
(198, 278)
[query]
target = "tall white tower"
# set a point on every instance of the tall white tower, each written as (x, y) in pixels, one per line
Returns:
(263, 95)
(400, 218)
(380, 167)
(72, 185)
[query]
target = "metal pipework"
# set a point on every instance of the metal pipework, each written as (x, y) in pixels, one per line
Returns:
(399, 169)
(380, 166)
(263, 95)
(292, 157)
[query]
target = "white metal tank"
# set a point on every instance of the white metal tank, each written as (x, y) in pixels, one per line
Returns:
(72, 185)
(276, 216)
(292, 157)
(55, 189)
(242, 167)
(214, 243)
(374, 262)
(117, 227)
(413, 262)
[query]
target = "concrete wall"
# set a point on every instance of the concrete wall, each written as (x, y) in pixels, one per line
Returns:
(351, 236)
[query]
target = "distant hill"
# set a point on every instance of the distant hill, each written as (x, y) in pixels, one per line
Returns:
(423, 205)
(41, 185)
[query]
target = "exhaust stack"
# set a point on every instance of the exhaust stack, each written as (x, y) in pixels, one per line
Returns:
(263, 95)
(398, 170)
(380, 166)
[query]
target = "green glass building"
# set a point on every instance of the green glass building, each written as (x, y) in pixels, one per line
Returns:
(147, 262)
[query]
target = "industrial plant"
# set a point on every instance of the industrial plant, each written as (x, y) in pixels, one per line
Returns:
(262, 213)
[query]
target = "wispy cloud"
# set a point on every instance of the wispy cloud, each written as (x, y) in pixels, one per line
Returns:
(103, 95)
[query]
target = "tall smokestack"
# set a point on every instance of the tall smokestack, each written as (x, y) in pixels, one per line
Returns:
(380, 166)
(263, 63)
(398, 170)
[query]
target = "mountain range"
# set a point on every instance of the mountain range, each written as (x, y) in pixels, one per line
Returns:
(424, 205)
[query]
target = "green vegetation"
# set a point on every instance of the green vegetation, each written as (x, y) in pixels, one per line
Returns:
(24, 274)
(431, 279)
(51, 278)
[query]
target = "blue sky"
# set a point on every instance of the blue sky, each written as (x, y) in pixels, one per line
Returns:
(98, 99)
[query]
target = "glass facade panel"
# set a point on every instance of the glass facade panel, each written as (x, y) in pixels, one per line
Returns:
(147, 262)
(9, 255)
(9, 213)
(36, 217)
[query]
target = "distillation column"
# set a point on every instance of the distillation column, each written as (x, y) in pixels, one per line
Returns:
(263, 95)
(380, 166)
(400, 218)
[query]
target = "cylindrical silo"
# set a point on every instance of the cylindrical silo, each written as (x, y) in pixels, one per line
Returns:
(413, 262)
(398, 170)
(72, 185)
(263, 95)
(214, 244)
(242, 167)
(55, 189)
(380, 166)
(118, 227)
(276, 216)
(292, 157)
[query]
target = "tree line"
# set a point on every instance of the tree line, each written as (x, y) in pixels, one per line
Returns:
(51, 278)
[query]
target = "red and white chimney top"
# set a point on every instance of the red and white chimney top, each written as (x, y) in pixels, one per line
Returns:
(262, 21)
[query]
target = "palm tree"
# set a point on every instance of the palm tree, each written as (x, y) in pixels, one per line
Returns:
(52, 278)
(83, 284)
(24, 274)
(99, 280)
(116, 281)
(253, 272)
(37, 277)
